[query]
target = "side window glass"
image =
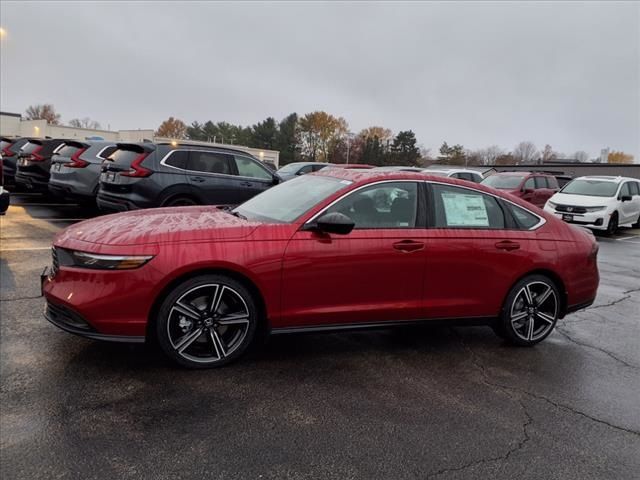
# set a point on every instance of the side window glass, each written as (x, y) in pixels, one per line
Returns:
(635, 188)
(210, 162)
(625, 190)
(462, 208)
(107, 151)
(541, 182)
(530, 184)
(389, 205)
(178, 159)
(552, 182)
(318, 167)
(249, 168)
(524, 219)
(477, 178)
(304, 170)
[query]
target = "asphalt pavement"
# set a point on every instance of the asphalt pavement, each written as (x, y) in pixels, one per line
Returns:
(423, 403)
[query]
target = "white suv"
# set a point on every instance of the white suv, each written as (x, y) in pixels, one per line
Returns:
(461, 173)
(601, 203)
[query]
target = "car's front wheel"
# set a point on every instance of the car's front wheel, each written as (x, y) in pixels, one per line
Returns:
(207, 321)
(530, 311)
(612, 228)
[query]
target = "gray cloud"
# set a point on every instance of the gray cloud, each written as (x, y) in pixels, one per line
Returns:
(478, 74)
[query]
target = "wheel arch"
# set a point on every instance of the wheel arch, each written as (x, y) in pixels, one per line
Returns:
(212, 270)
(174, 191)
(553, 276)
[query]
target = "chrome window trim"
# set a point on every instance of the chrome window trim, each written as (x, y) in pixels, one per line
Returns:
(99, 154)
(541, 220)
(403, 180)
(163, 162)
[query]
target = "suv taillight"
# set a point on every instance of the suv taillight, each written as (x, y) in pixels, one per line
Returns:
(76, 161)
(7, 153)
(34, 156)
(137, 170)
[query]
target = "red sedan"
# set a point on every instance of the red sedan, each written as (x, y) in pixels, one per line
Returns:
(334, 250)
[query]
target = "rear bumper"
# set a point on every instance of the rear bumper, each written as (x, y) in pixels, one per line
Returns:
(67, 191)
(31, 181)
(115, 204)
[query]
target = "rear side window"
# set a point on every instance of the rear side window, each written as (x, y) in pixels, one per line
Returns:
(463, 208)
(178, 159)
(249, 168)
(552, 182)
(123, 157)
(305, 169)
(635, 188)
(30, 147)
(210, 162)
(105, 152)
(524, 219)
(541, 182)
(68, 151)
(317, 168)
(530, 184)
(4, 144)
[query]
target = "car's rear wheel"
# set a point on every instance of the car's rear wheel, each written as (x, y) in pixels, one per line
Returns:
(530, 311)
(180, 202)
(612, 228)
(207, 321)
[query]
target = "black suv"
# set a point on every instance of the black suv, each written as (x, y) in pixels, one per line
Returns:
(34, 162)
(10, 150)
(162, 174)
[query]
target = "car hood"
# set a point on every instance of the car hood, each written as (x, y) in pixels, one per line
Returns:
(579, 200)
(159, 225)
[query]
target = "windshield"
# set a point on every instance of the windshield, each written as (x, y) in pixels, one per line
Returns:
(593, 188)
(287, 201)
(291, 168)
(503, 181)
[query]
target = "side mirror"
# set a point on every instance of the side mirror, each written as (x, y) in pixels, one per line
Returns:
(335, 222)
(276, 179)
(626, 198)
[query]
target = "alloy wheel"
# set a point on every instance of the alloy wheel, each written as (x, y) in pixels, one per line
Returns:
(534, 311)
(208, 323)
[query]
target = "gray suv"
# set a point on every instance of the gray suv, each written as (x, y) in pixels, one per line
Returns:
(75, 168)
(165, 173)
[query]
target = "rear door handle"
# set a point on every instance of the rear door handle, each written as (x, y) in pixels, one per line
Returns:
(507, 245)
(246, 184)
(408, 246)
(197, 179)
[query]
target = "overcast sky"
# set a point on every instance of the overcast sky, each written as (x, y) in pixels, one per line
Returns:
(471, 73)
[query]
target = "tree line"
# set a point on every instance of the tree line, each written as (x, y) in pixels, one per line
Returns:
(321, 137)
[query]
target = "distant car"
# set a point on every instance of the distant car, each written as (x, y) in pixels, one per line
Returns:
(75, 168)
(292, 170)
(598, 202)
(34, 163)
(10, 148)
(399, 168)
(533, 187)
(5, 196)
(460, 173)
(563, 179)
(171, 174)
(352, 166)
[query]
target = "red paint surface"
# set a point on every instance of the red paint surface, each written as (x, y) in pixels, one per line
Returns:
(308, 278)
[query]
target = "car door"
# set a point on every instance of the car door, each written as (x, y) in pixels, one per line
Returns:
(529, 190)
(635, 194)
(628, 209)
(473, 253)
(254, 178)
(373, 274)
(543, 192)
(212, 178)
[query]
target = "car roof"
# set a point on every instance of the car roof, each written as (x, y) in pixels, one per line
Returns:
(449, 170)
(606, 178)
(194, 143)
(372, 175)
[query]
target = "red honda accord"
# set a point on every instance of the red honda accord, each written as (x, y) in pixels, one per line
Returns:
(338, 249)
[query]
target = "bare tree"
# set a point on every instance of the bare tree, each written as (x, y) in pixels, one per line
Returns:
(489, 155)
(85, 122)
(172, 128)
(42, 112)
(526, 152)
(581, 156)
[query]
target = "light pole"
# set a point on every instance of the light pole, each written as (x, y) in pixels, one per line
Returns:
(349, 135)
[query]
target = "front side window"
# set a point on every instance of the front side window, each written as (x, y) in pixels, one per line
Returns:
(530, 184)
(249, 168)
(306, 169)
(625, 191)
(387, 205)
(541, 182)
(457, 207)
(210, 162)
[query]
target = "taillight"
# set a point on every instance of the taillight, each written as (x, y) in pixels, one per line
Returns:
(7, 153)
(137, 170)
(76, 161)
(35, 157)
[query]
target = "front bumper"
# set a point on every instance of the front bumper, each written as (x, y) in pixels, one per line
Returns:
(594, 220)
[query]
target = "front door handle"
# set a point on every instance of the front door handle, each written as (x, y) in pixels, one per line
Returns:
(246, 184)
(507, 245)
(197, 179)
(408, 246)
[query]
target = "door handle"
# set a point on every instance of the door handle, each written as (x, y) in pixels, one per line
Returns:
(408, 246)
(507, 245)
(197, 179)
(246, 184)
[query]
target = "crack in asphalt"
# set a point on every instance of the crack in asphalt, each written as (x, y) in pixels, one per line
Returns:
(565, 334)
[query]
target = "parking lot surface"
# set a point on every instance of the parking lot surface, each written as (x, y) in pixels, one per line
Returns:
(446, 402)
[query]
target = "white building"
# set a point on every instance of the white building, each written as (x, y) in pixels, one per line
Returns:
(12, 125)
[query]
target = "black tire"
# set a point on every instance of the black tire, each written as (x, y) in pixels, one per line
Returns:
(612, 227)
(207, 321)
(527, 318)
(498, 329)
(637, 224)
(179, 201)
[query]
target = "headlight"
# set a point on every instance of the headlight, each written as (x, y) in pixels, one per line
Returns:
(594, 209)
(551, 204)
(71, 258)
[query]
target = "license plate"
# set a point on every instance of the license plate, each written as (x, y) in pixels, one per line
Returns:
(57, 167)
(23, 162)
(567, 218)
(109, 177)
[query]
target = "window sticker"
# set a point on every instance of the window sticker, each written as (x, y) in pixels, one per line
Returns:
(465, 210)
